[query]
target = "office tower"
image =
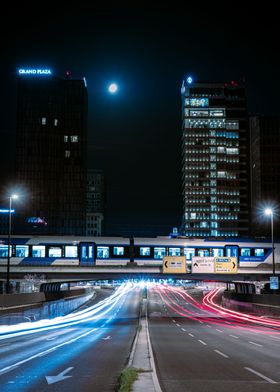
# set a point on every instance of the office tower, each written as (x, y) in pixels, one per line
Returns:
(51, 151)
(215, 152)
(265, 172)
(95, 203)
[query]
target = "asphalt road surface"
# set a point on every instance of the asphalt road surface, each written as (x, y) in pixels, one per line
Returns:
(83, 356)
(199, 349)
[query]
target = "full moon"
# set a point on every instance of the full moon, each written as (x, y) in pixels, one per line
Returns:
(113, 88)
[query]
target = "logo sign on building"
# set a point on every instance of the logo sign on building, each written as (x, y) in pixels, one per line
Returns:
(34, 71)
(174, 265)
(274, 283)
(225, 265)
(203, 265)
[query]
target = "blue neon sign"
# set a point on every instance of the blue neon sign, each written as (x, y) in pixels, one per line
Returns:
(34, 71)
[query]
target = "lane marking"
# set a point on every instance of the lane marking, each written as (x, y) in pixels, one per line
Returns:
(235, 337)
(219, 330)
(178, 325)
(274, 337)
(261, 375)
(51, 338)
(202, 342)
(227, 322)
(222, 354)
(183, 329)
(174, 321)
(256, 344)
(191, 335)
(209, 326)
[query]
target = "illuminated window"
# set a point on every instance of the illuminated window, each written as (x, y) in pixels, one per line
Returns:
(55, 122)
(145, 251)
(71, 251)
(103, 252)
(203, 253)
(118, 250)
(259, 252)
(4, 251)
(217, 112)
(67, 154)
(159, 253)
(217, 252)
(174, 251)
(44, 121)
(234, 124)
(38, 251)
(65, 138)
(55, 251)
(189, 253)
(245, 252)
(21, 250)
(74, 139)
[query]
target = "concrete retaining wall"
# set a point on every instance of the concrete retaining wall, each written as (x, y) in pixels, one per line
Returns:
(258, 304)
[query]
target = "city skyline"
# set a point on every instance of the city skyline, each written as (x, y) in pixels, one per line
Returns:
(134, 136)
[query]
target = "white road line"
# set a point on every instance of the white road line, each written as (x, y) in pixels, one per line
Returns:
(222, 354)
(183, 329)
(209, 326)
(178, 325)
(256, 344)
(201, 322)
(202, 342)
(261, 375)
(219, 330)
(227, 322)
(235, 337)
(174, 321)
(191, 335)
(274, 337)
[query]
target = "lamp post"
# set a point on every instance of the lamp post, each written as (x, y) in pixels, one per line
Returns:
(9, 243)
(269, 211)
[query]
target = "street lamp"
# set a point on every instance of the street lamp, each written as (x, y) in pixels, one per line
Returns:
(269, 211)
(9, 243)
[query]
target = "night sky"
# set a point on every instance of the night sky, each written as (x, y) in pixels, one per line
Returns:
(147, 48)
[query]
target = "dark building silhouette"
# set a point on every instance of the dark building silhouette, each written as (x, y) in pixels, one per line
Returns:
(216, 156)
(96, 202)
(265, 172)
(51, 152)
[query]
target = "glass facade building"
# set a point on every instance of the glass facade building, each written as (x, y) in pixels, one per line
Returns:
(215, 154)
(51, 153)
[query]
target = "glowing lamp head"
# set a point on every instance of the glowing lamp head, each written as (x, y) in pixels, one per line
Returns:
(14, 196)
(113, 88)
(268, 211)
(189, 80)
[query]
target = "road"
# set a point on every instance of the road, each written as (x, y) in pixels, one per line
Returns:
(86, 353)
(200, 348)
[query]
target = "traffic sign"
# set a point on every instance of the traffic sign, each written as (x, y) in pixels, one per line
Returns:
(174, 265)
(202, 265)
(274, 282)
(225, 265)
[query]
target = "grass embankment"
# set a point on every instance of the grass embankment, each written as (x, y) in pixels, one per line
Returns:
(126, 379)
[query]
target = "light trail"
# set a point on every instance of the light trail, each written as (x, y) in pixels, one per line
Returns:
(92, 313)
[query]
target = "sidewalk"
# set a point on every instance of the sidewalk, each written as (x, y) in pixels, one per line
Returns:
(142, 357)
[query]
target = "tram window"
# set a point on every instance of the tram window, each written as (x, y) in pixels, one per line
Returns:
(4, 250)
(55, 251)
(217, 252)
(145, 251)
(90, 251)
(71, 251)
(259, 252)
(21, 250)
(103, 252)
(38, 251)
(159, 253)
(118, 250)
(174, 251)
(245, 252)
(203, 252)
(189, 253)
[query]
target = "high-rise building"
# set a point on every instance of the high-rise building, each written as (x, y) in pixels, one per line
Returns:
(265, 172)
(51, 151)
(95, 203)
(215, 147)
